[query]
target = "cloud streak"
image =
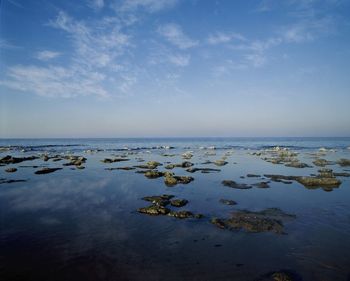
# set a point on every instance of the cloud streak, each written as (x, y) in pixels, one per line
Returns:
(173, 33)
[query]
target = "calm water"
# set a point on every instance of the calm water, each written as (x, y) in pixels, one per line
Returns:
(83, 224)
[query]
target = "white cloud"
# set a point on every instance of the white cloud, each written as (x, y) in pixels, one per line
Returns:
(174, 34)
(179, 60)
(148, 5)
(96, 4)
(47, 55)
(221, 37)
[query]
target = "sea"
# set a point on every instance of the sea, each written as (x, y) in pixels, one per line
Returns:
(84, 224)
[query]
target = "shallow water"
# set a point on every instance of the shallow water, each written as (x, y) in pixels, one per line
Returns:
(84, 224)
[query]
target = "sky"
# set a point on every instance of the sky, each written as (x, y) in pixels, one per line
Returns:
(174, 68)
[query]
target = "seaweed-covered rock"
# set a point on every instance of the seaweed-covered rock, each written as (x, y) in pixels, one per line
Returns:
(46, 171)
(11, 170)
(154, 210)
(151, 165)
(160, 200)
(322, 162)
(184, 164)
(344, 162)
(268, 220)
(183, 179)
(152, 174)
(233, 184)
(178, 202)
(170, 180)
(297, 164)
(181, 214)
(227, 202)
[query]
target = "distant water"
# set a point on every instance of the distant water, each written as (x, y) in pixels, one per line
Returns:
(121, 144)
(83, 224)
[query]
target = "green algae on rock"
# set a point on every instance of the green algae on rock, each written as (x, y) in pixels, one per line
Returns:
(154, 210)
(181, 214)
(178, 202)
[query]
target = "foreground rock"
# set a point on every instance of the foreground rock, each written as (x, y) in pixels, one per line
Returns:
(171, 180)
(161, 200)
(46, 171)
(344, 162)
(109, 160)
(322, 162)
(151, 165)
(268, 220)
(233, 184)
(182, 214)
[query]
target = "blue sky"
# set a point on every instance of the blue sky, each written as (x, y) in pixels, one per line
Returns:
(143, 68)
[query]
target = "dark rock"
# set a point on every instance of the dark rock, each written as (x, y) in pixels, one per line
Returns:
(120, 168)
(2, 181)
(11, 170)
(218, 222)
(227, 202)
(178, 202)
(233, 184)
(203, 170)
(109, 160)
(344, 162)
(297, 164)
(161, 200)
(183, 179)
(322, 162)
(253, 176)
(263, 184)
(8, 159)
(46, 171)
(152, 174)
(151, 165)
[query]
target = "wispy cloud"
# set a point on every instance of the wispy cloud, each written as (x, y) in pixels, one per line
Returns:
(96, 4)
(221, 37)
(47, 55)
(179, 60)
(148, 5)
(173, 33)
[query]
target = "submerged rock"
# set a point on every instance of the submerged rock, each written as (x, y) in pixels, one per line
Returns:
(154, 210)
(233, 184)
(46, 171)
(3, 181)
(253, 176)
(109, 160)
(268, 220)
(263, 184)
(218, 222)
(203, 170)
(121, 168)
(185, 164)
(178, 202)
(227, 202)
(11, 170)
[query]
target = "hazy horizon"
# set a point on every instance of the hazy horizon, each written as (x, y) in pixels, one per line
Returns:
(174, 68)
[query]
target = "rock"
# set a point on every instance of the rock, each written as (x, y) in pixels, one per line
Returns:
(183, 179)
(3, 181)
(268, 220)
(227, 202)
(181, 214)
(152, 174)
(11, 170)
(263, 184)
(198, 216)
(80, 167)
(344, 162)
(220, 162)
(170, 181)
(297, 164)
(284, 275)
(120, 168)
(319, 182)
(233, 184)
(322, 162)
(109, 160)
(161, 200)
(342, 174)
(8, 159)
(187, 155)
(46, 171)
(185, 164)
(253, 176)
(203, 170)
(154, 210)
(178, 202)
(218, 222)
(151, 165)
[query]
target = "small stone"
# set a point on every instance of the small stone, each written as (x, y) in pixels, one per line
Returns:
(11, 170)
(178, 202)
(227, 202)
